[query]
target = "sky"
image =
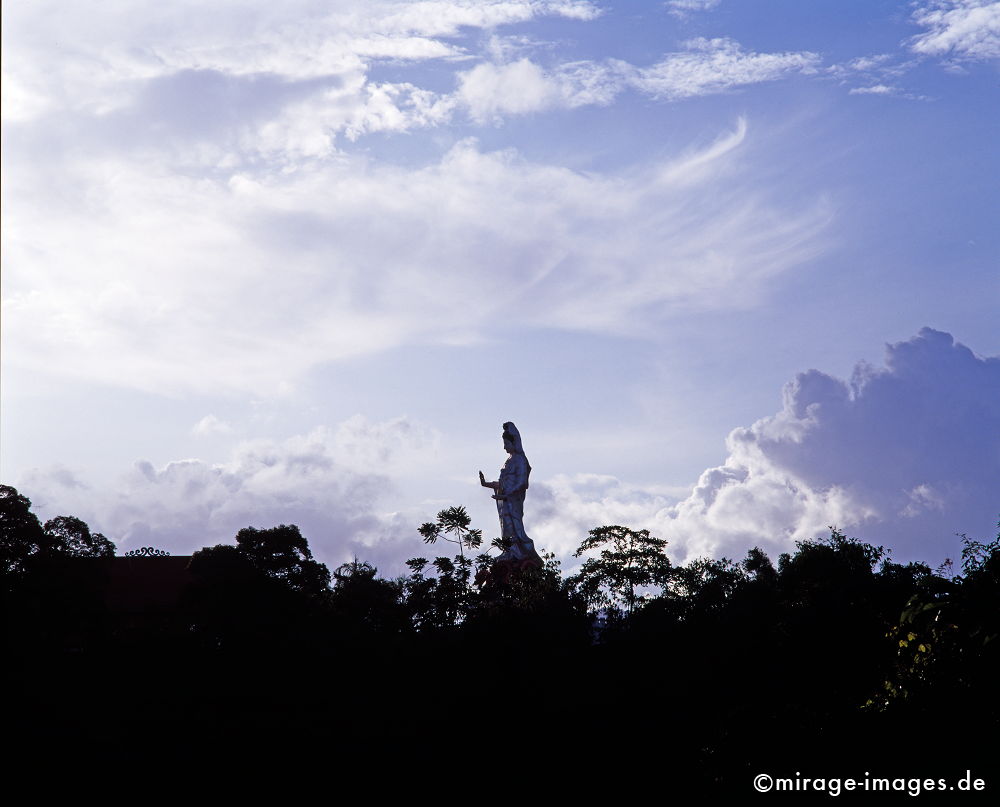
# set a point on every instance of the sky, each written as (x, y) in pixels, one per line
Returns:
(732, 268)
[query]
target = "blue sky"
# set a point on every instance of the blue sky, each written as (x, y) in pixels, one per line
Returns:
(731, 267)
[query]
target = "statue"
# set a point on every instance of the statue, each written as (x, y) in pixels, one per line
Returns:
(509, 490)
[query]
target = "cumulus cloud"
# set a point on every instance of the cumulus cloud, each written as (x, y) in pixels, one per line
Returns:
(333, 483)
(962, 29)
(491, 91)
(513, 88)
(906, 456)
(310, 128)
(246, 281)
(564, 508)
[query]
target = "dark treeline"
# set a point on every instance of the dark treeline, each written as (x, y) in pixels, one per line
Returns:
(830, 661)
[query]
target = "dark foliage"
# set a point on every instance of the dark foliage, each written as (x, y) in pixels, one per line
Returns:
(363, 604)
(688, 679)
(21, 534)
(453, 525)
(282, 553)
(629, 561)
(70, 537)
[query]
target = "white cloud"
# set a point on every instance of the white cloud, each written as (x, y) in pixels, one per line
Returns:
(560, 511)
(137, 275)
(447, 17)
(515, 88)
(875, 89)
(503, 49)
(332, 483)
(93, 59)
(182, 216)
(717, 65)
(904, 456)
(385, 446)
(707, 66)
(210, 425)
(284, 84)
(876, 75)
(491, 91)
(682, 8)
(921, 499)
(586, 83)
(866, 63)
(964, 29)
(309, 128)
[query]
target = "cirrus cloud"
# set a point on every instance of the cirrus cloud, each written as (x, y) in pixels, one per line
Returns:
(246, 282)
(683, 8)
(717, 65)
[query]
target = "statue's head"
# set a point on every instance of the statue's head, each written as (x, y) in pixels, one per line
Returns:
(511, 439)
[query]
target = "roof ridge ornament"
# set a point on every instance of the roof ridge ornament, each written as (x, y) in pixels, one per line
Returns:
(147, 552)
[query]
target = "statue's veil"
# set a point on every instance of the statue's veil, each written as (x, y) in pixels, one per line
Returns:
(510, 429)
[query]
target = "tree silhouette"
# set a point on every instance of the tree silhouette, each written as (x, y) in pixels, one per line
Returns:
(443, 598)
(225, 599)
(776, 661)
(21, 534)
(283, 553)
(454, 522)
(362, 602)
(629, 560)
(70, 537)
(704, 586)
(948, 637)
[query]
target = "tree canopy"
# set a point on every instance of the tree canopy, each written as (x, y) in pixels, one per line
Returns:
(629, 561)
(715, 667)
(283, 553)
